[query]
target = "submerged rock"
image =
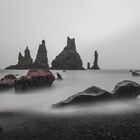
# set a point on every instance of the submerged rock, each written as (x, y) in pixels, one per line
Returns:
(7, 81)
(126, 89)
(68, 59)
(95, 64)
(34, 79)
(90, 95)
(135, 73)
(59, 77)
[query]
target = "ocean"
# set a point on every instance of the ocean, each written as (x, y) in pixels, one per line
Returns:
(41, 100)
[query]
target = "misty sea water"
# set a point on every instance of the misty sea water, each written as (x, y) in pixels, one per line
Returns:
(74, 82)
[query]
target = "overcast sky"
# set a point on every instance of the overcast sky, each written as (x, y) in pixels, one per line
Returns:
(112, 27)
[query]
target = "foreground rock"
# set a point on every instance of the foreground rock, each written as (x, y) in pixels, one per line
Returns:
(34, 79)
(90, 95)
(127, 89)
(8, 81)
(68, 59)
(123, 90)
(26, 62)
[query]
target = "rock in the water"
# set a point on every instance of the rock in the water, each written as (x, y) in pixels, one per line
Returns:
(34, 79)
(41, 58)
(95, 64)
(68, 59)
(59, 77)
(135, 73)
(7, 81)
(26, 62)
(88, 65)
(127, 89)
(90, 95)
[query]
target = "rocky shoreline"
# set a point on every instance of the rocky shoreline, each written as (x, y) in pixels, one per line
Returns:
(32, 80)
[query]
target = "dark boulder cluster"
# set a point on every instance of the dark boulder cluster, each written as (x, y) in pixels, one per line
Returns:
(95, 63)
(68, 59)
(123, 90)
(8, 81)
(33, 79)
(26, 61)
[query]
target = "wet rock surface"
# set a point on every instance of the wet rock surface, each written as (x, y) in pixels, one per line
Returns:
(123, 90)
(126, 89)
(59, 77)
(34, 79)
(8, 81)
(90, 95)
(68, 59)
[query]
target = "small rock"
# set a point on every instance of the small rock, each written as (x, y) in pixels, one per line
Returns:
(59, 77)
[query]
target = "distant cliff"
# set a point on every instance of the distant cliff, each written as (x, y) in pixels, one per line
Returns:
(26, 61)
(95, 63)
(68, 59)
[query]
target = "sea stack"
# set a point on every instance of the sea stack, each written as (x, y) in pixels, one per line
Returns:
(26, 62)
(68, 59)
(88, 65)
(95, 63)
(41, 60)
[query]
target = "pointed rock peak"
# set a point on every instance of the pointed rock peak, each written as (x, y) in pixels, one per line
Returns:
(20, 55)
(41, 60)
(27, 48)
(70, 42)
(43, 42)
(96, 53)
(95, 63)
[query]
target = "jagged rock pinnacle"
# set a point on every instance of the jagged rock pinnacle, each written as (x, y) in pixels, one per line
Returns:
(68, 58)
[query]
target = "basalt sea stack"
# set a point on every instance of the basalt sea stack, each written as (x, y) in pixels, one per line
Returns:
(41, 60)
(26, 62)
(68, 59)
(95, 63)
